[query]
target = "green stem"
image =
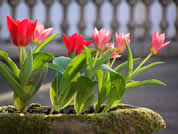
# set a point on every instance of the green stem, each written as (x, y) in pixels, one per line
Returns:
(52, 109)
(21, 56)
(97, 53)
(34, 47)
(105, 109)
(141, 64)
(115, 57)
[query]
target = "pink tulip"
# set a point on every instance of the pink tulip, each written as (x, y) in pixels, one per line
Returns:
(120, 41)
(157, 43)
(110, 46)
(40, 34)
(101, 38)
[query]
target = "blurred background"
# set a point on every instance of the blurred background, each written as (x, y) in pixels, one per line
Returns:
(139, 17)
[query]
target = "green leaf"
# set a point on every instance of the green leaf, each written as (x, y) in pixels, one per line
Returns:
(145, 82)
(89, 102)
(19, 103)
(10, 62)
(88, 56)
(39, 59)
(141, 70)
(99, 77)
(88, 62)
(36, 80)
(72, 69)
(41, 46)
(56, 68)
(53, 91)
(73, 54)
(130, 62)
(55, 87)
(85, 91)
(24, 54)
(62, 61)
(92, 51)
(117, 90)
(102, 89)
(9, 71)
(101, 60)
(60, 64)
(11, 80)
(26, 69)
(105, 67)
(72, 91)
(125, 64)
(30, 88)
(106, 85)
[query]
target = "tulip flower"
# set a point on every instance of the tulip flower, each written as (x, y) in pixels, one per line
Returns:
(115, 53)
(21, 31)
(75, 42)
(101, 38)
(120, 41)
(157, 43)
(40, 34)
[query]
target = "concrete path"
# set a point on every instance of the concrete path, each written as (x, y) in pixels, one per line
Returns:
(163, 100)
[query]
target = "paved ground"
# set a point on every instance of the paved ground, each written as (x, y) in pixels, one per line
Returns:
(161, 99)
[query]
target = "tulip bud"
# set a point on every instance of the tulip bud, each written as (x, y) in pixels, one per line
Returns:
(101, 38)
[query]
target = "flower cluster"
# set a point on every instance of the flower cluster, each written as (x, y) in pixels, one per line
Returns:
(26, 80)
(78, 74)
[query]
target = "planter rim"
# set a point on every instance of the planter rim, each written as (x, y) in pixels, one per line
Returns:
(120, 119)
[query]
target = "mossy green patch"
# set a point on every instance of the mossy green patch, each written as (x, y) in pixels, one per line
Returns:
(122, 119)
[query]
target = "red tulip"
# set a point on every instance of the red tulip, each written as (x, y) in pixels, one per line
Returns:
(157, 43)
(101, 38)
(21, 31)
(120, 41)
(40, 34)
(75, 42)
(111, 45)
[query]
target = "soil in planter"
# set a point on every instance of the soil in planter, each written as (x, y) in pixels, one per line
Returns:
(36, 108)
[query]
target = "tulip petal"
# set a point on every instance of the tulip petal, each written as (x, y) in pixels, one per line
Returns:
(75, 42)
(165, 44)
(45, 34)
(21, 31)
(157, 43)
(101, 38)
(161, 38)
(66, 42)
(120, 41)
(24, 32)
(38, 30)
(88, 42)
(12, 26)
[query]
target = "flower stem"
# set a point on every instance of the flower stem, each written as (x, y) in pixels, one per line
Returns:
(115, 57)
(21, 56)
(34, 47)
(97, 54)
(141, 64)
(52, 109)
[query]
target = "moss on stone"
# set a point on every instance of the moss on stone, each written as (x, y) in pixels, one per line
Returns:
(122, 119)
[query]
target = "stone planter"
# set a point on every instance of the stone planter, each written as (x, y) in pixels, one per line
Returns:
(122, 119)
